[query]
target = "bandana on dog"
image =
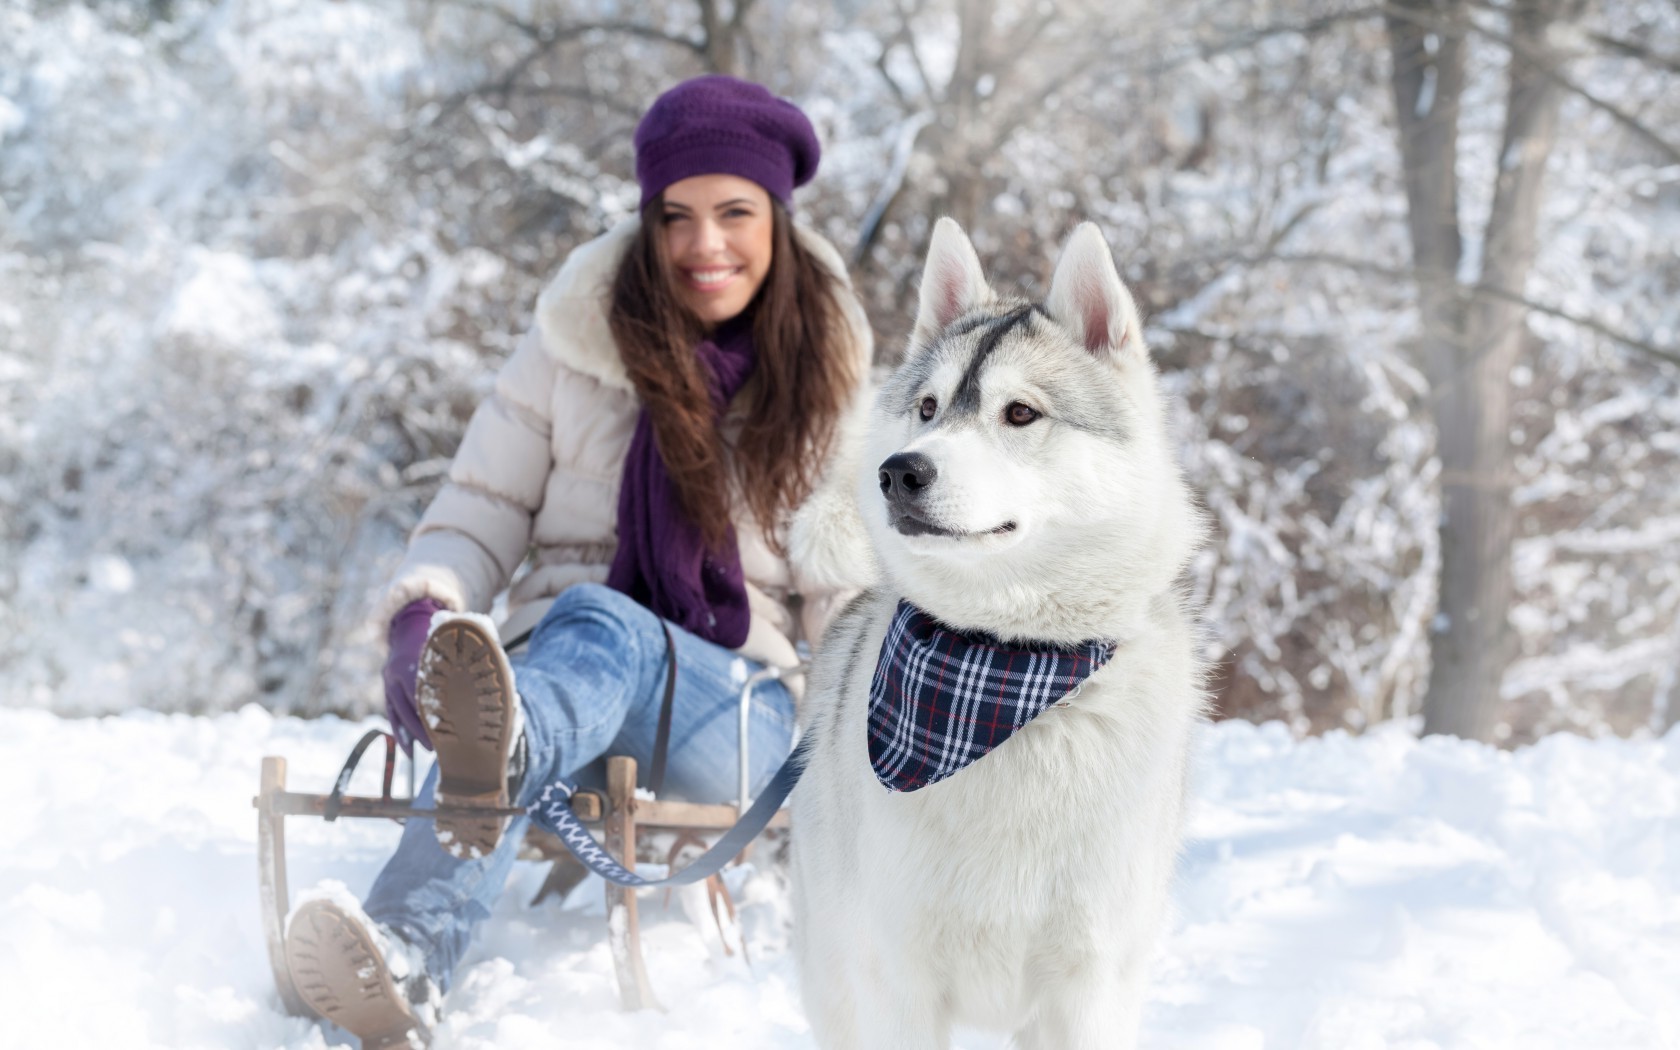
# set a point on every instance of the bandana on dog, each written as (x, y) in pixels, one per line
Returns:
(942, 699)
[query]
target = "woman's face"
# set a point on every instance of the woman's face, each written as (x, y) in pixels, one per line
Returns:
(717, 238)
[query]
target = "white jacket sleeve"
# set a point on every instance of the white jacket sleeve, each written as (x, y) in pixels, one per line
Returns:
(477, 530)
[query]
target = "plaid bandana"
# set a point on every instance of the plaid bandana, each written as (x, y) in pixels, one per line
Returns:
(941, 700)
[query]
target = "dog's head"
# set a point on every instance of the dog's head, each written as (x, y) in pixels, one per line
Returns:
(1022, 478)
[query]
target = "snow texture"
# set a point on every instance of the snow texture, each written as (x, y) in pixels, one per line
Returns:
(1337, 892)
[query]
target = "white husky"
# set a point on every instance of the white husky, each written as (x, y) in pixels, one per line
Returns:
(1041, 504)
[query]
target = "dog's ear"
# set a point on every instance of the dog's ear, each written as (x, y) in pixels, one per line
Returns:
(952, 283)
(1088, 298)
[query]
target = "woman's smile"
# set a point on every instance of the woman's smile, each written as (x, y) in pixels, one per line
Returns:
(712, 278)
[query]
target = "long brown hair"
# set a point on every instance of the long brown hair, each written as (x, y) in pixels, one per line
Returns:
(802, 381)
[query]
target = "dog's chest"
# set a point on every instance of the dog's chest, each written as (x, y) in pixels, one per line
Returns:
(1036, 827)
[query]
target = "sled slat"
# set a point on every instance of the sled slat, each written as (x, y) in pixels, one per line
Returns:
(271, 866)
(623, 927)
(296, 804)
(672, 816)
(588, 805)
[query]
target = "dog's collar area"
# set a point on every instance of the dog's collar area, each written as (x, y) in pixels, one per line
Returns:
(942, 699)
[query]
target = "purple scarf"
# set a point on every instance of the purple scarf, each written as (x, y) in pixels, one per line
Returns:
(662, 561)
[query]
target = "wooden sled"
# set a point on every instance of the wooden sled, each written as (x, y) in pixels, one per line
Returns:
(617, 811)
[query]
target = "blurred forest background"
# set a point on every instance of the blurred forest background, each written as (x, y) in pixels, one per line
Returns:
(259, 259)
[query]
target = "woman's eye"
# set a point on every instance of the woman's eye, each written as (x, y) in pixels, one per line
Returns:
(929, 407)
(1019, 414)
(672, 217)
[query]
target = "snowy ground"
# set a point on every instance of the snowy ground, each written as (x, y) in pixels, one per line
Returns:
(1342, 893)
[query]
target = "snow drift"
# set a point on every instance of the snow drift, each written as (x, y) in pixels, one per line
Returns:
(1338, 892)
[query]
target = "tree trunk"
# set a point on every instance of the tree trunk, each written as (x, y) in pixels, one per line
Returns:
(1470, 341)
(961, 122)
(1668, 691)
(1476, 586)
(724, 35)
(1426, 42)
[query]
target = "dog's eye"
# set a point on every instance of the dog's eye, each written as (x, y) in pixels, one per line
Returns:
(1019, 414)
(929, 407)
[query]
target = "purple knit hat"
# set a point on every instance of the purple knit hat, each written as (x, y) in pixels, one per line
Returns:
(718, 125)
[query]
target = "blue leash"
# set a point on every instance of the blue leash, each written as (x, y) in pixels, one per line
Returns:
(553, 810)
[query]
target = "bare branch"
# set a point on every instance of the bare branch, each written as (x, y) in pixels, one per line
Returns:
(891, 186)
(886, 75)
(1545, 64)
(1310, 27)
(1020, 46)
(577, 94)
(499, 13)
(499, 87)
(1104, 60)
(572, 31)
(1072, 71)
(1634, 49)
(908, 36)
(645, 32)
(1546, 67)
(1632, 342)
(1291, 224)
(546, 39)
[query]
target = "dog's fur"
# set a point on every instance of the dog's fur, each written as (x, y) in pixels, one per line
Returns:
(1024, 893)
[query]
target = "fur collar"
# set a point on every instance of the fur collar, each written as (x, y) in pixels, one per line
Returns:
(572, 310)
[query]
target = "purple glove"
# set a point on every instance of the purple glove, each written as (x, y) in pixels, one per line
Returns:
(406, 638)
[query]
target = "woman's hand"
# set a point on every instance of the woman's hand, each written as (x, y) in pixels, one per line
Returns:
(406, 638)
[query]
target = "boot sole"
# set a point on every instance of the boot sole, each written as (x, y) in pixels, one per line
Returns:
(341, 976)
(466, 696)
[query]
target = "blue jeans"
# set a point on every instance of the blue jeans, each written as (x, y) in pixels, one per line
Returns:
(590, 682)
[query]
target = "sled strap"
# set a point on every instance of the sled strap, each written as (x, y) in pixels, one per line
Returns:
(335, 801)
(662, 738)
(553, 811)
(518, 640)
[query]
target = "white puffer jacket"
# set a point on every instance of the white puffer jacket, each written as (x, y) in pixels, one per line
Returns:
(534, 484)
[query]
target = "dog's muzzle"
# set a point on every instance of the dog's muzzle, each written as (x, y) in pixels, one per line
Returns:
(905, 476)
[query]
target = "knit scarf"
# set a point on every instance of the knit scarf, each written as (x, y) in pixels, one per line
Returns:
(942, 699)
(662, 561)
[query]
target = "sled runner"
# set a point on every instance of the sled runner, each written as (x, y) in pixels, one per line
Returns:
(617, 812)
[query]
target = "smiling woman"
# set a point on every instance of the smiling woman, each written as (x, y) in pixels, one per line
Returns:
(718, 263)
(672, 406)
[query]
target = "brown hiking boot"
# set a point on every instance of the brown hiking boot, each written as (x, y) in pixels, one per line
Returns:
(343, 975)
(465, 693)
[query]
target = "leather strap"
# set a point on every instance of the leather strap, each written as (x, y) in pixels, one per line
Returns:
(335, 801)
(662, 738)
(553, 810)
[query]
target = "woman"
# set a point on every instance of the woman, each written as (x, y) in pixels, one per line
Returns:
(645, 444)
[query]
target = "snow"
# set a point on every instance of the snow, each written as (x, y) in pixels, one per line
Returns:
(1365, 892)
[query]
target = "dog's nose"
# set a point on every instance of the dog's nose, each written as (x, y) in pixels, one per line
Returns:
(905, 474)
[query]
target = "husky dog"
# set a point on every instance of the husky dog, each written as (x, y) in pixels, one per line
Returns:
(1017, 485)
